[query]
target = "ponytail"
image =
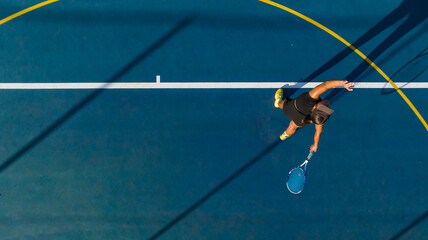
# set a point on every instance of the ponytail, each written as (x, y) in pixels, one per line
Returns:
(314, 118)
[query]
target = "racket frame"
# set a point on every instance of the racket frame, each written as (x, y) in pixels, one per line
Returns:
(303, 167)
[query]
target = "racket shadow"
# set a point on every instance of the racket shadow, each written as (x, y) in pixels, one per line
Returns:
(410, 226)
(215, 190)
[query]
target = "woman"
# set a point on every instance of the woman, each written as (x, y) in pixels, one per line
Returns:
(308, 108)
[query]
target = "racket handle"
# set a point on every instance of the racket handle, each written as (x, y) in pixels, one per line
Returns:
(310, 155)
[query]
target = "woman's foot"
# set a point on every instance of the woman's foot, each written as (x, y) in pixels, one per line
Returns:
(278, 97)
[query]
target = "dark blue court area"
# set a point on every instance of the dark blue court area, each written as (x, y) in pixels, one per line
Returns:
(186, 164)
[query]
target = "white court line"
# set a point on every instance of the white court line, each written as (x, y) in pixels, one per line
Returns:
(197, 85)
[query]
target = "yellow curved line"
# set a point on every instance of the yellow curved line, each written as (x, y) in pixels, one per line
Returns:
(355, 50)
(26, 11)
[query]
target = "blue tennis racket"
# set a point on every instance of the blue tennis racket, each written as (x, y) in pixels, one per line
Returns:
(297, 177)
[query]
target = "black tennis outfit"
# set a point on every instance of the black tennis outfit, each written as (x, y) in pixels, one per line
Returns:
(297, 109)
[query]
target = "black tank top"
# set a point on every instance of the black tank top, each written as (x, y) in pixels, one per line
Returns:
(304, 103)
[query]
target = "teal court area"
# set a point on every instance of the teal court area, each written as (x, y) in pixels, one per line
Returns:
(207, 163)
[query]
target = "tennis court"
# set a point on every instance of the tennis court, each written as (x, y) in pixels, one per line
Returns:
(155, 120)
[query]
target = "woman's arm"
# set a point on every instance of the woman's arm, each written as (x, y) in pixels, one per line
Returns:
(318, 131)
(320, 89)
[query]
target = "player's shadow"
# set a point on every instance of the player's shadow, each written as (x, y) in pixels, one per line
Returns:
(60, 121)
(416, 12)
(410, 71)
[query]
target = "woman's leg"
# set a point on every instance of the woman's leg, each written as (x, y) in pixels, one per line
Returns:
(281, 104)
(292, 127)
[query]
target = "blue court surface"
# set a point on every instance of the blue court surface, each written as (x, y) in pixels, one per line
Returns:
(207, 163)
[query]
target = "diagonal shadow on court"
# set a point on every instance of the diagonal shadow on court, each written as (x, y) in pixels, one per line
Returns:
(416, 12)
(215, 190)
(410, 226)
(418, 65)
(93, 95)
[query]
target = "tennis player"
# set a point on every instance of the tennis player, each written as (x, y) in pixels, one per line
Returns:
(308, 108)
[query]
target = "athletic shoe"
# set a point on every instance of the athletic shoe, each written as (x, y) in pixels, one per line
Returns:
(278, 97)
(283, 136)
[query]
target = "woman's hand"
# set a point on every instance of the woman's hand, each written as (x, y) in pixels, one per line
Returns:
(314, 148)
(348, 86)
